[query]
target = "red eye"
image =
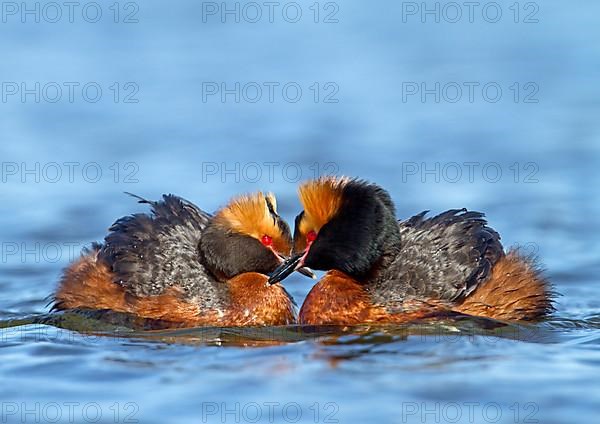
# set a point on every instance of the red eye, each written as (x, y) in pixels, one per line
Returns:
(267, 240)
(311, 236)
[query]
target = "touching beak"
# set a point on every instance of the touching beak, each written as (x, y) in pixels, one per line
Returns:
(294, 263)
(284, 260)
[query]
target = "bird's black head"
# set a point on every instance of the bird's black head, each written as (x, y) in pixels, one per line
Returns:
(247, 235)
(347, 224)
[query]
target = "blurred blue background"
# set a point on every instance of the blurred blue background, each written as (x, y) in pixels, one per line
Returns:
(164, 99)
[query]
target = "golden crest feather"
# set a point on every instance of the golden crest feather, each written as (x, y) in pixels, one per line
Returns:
(253, 215)
(321, 199)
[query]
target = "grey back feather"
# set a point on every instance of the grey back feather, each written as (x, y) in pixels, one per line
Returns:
(445, 257)
(150, 253)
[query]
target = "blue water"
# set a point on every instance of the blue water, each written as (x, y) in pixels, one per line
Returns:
(169, 117)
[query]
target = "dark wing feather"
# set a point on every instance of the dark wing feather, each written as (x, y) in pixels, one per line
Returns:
(150, 253)
(445, 257)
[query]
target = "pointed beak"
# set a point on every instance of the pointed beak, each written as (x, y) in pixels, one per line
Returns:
(304, 270)
(287, 267)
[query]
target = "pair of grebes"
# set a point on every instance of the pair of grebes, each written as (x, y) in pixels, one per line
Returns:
(190, 268)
